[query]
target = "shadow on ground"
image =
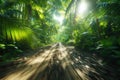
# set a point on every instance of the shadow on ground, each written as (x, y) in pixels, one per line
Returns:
(60, 63)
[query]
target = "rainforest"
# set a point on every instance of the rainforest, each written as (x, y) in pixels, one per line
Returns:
(59, 39)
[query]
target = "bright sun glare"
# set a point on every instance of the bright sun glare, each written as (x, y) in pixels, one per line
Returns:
(83, 8)
(58, 18)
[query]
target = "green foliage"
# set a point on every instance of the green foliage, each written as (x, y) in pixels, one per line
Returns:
(87, 42)
(30, 24)
(27, 24)
(2, 46)
(9, 51)
(101, 33)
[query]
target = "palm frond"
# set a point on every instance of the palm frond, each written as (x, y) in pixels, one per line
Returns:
(69, 6)
(13, 29)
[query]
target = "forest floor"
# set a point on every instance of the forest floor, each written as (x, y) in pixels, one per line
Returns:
(58, 62)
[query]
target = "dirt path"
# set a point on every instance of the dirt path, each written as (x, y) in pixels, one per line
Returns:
(60, 63)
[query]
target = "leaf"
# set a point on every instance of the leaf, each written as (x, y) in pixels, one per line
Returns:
(2, 46)
(69, 6)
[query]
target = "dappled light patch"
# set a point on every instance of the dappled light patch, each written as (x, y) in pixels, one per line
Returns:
(58, 18)
(59, 62)
(83, 8)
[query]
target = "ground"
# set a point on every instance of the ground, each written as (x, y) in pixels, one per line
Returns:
(58, 62)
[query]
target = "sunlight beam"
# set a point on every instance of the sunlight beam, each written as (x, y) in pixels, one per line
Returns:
(83, 8)
(58, 18)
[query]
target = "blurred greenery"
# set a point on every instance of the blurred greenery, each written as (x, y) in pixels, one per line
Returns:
(30, 24)
(102, 33)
